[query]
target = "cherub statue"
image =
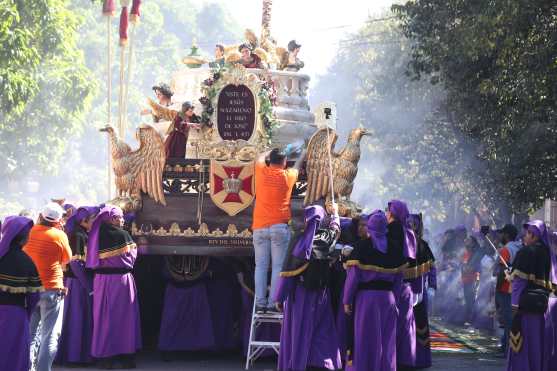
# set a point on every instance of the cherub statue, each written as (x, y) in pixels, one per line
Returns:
(289, 60)
(163, 109)
(219, 57)
(249, 59)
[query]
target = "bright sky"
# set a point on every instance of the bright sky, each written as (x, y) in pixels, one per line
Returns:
(318, 25)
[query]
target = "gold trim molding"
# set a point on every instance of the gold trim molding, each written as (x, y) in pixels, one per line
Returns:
(202, 231)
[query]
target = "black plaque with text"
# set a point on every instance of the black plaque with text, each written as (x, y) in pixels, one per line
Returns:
(236, 112)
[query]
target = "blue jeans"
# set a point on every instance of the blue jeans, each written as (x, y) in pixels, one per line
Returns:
(505, 315)
(44, 339)
(270, 245)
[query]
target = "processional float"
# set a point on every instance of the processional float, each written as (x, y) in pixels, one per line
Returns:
(201, 205)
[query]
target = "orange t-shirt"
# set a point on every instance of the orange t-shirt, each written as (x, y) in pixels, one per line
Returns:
(49, 249)
(273, 188)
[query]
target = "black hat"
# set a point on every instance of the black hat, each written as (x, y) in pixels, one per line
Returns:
(164, 89)
(244, 46)
(509, 230)
(186, 105)
(293, 45)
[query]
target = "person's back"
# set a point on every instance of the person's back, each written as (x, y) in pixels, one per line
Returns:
(273, 189)
(49, 249)
(271, 214)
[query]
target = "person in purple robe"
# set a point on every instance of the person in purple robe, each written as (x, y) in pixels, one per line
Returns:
(111, 253)
(401, 237)
(533, 278)
(351, 231)
(550, 336)
(374, 275)
(77, 328)
(186, 323)
(308, 337)
(423, 276)
(19, 293)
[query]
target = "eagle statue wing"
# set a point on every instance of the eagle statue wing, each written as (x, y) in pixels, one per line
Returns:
(317, 164)
(147, 163)
(165, 113)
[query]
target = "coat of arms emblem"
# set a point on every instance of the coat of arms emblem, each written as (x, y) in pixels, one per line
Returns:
(232, 185)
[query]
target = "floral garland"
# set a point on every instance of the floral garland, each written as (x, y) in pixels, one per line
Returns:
(267, 99)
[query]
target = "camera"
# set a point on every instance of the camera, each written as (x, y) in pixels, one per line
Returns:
(327, 111)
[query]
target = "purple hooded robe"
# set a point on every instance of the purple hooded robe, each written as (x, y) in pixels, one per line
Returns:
(533, 268)
(111, 252)
(374, 274)
(77, 328)
(19, 293)
(400, 234)
(308, 336)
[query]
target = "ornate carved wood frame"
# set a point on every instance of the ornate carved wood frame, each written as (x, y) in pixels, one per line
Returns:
(236, 75)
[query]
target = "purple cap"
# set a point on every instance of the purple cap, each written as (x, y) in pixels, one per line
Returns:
(377, 229)
(399, 210)
(82, 213)
(11, 228)
(538, 228)
(105, 214)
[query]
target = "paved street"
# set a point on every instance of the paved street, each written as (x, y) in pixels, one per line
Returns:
(442, 362)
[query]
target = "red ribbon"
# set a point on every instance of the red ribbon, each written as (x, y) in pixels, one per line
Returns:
(124, 26)
(109, 9)
(135, 12)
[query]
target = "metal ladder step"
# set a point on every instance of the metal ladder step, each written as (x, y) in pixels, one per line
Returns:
(257, 347)
(268, 344)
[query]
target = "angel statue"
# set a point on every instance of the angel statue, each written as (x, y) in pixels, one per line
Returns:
(163, 110)
(138, 171)
(289, 60)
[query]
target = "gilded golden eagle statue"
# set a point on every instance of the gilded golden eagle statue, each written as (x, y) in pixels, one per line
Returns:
(344, 165)
(140, 170)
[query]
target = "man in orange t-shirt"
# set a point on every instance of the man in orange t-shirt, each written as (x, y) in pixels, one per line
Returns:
(49, 249)
(271, 214)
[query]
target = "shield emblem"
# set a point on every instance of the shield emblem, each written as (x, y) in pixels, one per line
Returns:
(232, 185)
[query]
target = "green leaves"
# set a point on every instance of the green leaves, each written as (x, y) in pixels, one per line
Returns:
(45, 85)
(497, 62)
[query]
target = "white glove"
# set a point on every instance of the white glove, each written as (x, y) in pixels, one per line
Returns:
(417, 299)
(431, 292)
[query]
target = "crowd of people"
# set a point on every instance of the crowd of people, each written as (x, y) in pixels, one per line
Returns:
(355, 292)
(502, 282)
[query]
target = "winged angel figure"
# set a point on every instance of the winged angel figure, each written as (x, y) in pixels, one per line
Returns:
(140, 170)
(344, 165)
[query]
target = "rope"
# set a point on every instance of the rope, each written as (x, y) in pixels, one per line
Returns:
(201, 188)
(330, 166)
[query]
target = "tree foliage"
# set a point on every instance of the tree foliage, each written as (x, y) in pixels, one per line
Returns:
(497, 63)
(415, 153)
(53, 77)
(46, 86)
